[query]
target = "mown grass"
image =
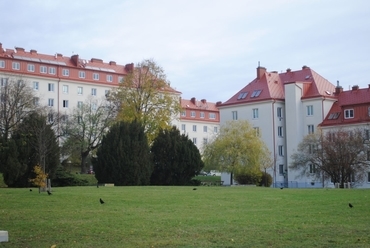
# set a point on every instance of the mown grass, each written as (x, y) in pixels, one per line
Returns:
(183, 217)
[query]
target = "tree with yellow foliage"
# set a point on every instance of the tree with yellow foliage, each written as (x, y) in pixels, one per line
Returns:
(41, 177)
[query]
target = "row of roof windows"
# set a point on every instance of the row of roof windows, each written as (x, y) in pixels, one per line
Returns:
(52, 71)
(243, 95)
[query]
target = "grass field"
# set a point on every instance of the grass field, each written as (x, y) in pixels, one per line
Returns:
(183, 217)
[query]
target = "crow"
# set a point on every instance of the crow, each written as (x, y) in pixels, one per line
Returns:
(281, 188)
(195, 189)
(350, 205)
(49, 193)
(30, 189)
(101, 201)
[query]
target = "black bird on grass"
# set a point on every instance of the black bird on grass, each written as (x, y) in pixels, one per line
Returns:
(195, 189)
(49, 193)
(30, 189)
(101, 201)
(350, 205)
(281, 188)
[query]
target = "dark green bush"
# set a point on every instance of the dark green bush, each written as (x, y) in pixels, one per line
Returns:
(64, 178)
(266, 180)
(248, 178)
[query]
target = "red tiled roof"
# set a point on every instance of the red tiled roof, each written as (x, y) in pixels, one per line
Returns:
(272, 86)
(193, 104)
(356, 99)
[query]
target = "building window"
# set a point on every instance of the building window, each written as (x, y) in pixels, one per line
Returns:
(50, 87)
(312, 168)
(65, 89)
(309, 110)
(281, 150)
(50, 117)
(183, 113)
(43, 69)
(255, 113)
(81, 74)
(279, 112)
(235, 115)
(280, 131)
(368, 177)
(205, 129)
(94, 106)
(79, 104)
(192, 113)
(281, 169)
(36, 85)
(3, 82)
(257, 130)
(93, 91)
(65, 103)
(107, 92)
(65, 72)
(16, 66)
(215, 129)
(212, 116)
(348, 113)
(52, 70)
(30, 67)
(79, 90)
(96, 76)
(311, 129)
(201, 114)
(36, 101)
(195, 141)
(194, 128)
(2, 64)
(109, 78)
(50, 102)
(205, 141)
(183, 127)
(368, 155)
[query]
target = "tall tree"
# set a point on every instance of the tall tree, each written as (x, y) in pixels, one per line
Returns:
(145, 96)
(176, 159)
(84, 129)
(17, 99)
(124, 156)
(338, 155)
(32, 143)
(237, 149)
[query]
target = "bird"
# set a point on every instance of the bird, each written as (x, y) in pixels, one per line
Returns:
(49, 193)
(30, 189)
(350, 205)
(195, 189)
(101, 201)
(281, 188)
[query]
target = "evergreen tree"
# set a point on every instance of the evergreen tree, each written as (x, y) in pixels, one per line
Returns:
(124, 156)
(32, 143)
(176, 159)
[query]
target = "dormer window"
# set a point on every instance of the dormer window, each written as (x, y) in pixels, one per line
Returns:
(348, 113)
(256, 93)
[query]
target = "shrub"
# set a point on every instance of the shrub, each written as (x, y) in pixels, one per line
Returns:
(65, 178)
(248, 178)
(266, 180)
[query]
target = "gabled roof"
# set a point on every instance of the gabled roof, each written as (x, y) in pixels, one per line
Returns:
(203, 105)
(356, 99)
(272, 84)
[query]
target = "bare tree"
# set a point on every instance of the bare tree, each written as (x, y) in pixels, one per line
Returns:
(16, 100)
(84, 129)
(338, 155)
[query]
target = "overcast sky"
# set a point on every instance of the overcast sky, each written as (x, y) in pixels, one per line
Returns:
(209, 49)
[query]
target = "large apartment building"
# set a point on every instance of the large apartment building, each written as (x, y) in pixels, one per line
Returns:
(62, 83)
(285, 107)
(199, 120)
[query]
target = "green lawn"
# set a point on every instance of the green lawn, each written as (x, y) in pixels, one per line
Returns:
(183, 217)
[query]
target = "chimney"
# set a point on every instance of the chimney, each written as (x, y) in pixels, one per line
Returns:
(305, 67)
(129, 67)
(74, 58)
(260, 71)
(218, 103)
(96, 60)
(112, 62)
(33, 51)
(355, 87)
(1, 48)
(193, 100)
(338, 89)
(59, 55)
(368, 86)
(203, 101)
(19, 49)
(288, 70)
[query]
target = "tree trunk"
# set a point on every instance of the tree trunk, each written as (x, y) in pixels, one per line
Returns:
(83, 161)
